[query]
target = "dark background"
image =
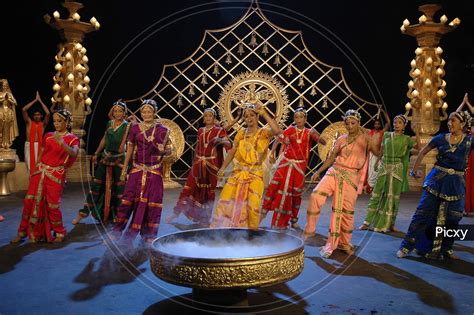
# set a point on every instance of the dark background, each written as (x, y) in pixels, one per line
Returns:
(369, 29)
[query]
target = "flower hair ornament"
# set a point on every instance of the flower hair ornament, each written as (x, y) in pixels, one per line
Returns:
(464, 117)
(66, 115)
(300, 110)
(149, 103)
(210, 110)
(352, 113)
(121, 104)
(402, 118)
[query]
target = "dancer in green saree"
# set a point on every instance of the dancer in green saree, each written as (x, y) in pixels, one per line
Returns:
(392, 179)
(106, 187)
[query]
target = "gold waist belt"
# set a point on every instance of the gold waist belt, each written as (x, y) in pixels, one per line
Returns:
(450, 171)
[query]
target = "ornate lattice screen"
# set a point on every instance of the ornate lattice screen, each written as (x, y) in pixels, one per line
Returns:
(252, 44)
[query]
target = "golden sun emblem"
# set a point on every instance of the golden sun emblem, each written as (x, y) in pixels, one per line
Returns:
(253, 87)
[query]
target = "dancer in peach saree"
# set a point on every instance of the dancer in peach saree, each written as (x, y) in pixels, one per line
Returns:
(343, 181)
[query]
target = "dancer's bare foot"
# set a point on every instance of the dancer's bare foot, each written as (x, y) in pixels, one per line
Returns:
(305, 235)
(348, 249)
(364, 227)
(58, 239)
(171, 218)
(296, 226)
(401, 254)
(18, 239)
(77, 219)
(394, 229)
(452, 255)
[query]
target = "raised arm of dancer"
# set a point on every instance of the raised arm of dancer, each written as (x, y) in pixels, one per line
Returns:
(233, 122)
(466, 102)
(387, 121)
(24, 110)
(47, 113)
(427, 148)
(275, 129)
(128, 157)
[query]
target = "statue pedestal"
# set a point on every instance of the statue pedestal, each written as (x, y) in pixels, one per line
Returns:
(169, 184)
(8, 160)
(19, 178)
(80, 171)
(6, 166)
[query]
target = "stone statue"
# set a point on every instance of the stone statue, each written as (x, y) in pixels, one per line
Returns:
(8, 123)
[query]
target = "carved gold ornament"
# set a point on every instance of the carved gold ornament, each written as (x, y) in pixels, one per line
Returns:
(253, 87)
(331, 133)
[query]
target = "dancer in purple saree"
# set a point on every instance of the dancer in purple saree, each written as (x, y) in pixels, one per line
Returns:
(143, 194)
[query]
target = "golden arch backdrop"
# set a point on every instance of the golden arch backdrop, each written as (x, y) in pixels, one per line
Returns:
(252, 58)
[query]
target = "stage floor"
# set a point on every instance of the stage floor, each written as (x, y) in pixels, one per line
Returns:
(83, 276)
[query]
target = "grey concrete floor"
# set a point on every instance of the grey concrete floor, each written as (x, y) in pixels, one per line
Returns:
(83, 276)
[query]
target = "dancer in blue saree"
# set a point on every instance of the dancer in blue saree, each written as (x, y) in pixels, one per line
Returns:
(443, 198)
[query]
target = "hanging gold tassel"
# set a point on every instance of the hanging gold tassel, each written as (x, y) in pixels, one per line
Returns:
(191, 90)
(325, 103)
(289, 72)
(216, 71)
(241, 50)
(253, 40)
(313, 91)
(301, 102)
(265, 49)
(228, 59)
(204, 79)
(277, 61)
(180, 101)
(203, 101)
(301, 82)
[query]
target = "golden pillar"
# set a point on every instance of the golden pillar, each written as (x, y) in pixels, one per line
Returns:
(426, 89)
(71, 82)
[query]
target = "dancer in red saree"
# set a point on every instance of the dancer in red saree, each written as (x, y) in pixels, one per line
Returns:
(196, 200)
(283, 196)
(469, 207)
(41, 214)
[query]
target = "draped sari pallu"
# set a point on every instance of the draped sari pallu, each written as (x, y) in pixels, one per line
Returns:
(283, 196)
(442, 201)
(391, 182)
(41, 213)
(344, 182)
(143, 196)
(196, 200)
(239, 203)
(106, 188)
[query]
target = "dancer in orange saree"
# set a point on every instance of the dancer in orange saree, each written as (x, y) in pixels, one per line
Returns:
(283, 196)
(344, 181)
(196, 200)
(41, 214)
(239, 203)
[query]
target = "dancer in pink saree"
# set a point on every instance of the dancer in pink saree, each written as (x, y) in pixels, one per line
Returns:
(344, 181)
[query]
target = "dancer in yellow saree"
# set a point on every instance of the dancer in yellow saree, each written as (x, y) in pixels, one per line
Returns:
(239, 203)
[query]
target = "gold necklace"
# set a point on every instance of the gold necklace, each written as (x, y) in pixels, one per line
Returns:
(298, 138)
(144, 128)
(206, 143)
(454, 146)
